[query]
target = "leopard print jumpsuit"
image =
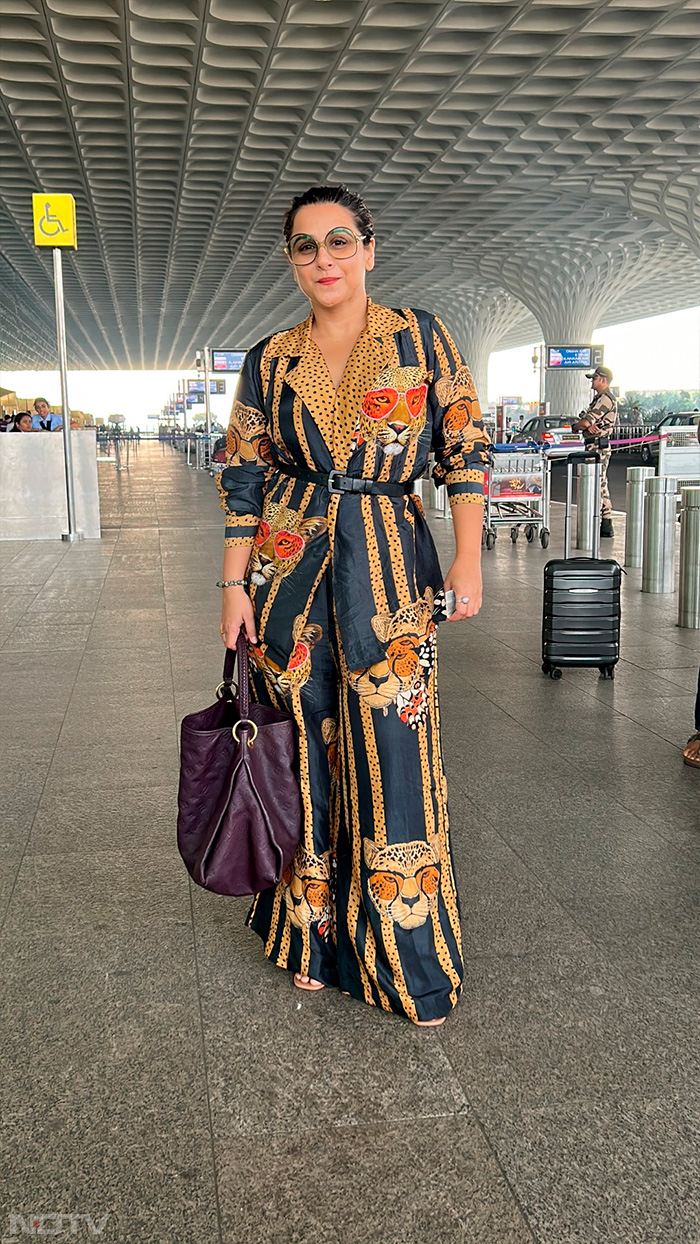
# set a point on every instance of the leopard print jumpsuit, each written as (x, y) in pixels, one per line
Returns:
(347, 591)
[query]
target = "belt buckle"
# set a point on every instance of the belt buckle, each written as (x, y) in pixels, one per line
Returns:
(330, 486)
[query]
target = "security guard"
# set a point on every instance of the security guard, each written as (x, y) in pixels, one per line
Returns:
(597, 423)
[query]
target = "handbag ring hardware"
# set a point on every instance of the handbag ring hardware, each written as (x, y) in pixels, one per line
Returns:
(245, 722)
(220, 688)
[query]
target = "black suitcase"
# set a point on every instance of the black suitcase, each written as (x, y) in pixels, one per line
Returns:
(581, 615)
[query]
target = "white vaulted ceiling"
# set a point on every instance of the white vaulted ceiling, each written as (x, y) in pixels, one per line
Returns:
(490, 139)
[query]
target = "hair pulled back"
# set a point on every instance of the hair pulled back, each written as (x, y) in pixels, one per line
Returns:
(343, 196)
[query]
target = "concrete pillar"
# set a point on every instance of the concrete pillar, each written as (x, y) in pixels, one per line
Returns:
(478, 314)
(569, 289)
(479, 318)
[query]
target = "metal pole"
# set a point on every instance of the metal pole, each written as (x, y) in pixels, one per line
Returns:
(597, 501)
(567, 510)
(659, 534)
(689, 580)
(634, 505)
(207, 395)
(72, 535)
(586, 516)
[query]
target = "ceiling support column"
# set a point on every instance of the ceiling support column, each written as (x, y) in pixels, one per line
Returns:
(479, 318)
(569, 289)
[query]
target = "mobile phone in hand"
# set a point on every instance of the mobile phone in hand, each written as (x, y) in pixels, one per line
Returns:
(450, 602)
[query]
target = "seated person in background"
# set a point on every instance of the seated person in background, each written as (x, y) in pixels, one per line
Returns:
(43, 420)
(22, 422)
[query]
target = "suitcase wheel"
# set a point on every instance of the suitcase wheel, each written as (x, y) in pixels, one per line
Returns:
(552, 670)
(607, 671)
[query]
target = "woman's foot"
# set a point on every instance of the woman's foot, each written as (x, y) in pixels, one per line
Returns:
(307, 983)
(429, 1023)
(691, 752)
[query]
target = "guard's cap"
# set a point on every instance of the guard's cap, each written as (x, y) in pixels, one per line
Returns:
(605, 372)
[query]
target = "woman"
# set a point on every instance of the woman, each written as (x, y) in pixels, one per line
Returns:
(22, 422)
(332, 422)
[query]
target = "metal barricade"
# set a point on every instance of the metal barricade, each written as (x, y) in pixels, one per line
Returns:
(689, 578)
(679, 456)
(634, 506)
(659, 534)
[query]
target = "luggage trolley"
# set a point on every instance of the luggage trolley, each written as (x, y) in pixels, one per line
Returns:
(517, 493)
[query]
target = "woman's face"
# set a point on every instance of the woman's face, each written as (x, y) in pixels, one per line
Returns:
(25, 423)
(328, 281)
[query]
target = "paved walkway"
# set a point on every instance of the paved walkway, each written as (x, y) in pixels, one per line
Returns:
(161, 1073)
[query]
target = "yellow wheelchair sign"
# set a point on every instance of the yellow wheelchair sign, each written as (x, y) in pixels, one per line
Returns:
(54, 220)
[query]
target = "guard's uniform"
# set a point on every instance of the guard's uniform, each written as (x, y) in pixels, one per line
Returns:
(603, 413)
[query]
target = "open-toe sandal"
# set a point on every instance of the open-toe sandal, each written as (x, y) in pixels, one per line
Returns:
(307, 983)
(693, 761)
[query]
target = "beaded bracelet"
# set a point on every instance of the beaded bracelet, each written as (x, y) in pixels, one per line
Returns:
(232, 583)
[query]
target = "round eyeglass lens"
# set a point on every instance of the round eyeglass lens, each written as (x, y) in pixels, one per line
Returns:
(339, 243)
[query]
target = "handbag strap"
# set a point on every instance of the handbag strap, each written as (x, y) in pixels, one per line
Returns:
(229, 661)
(244, 725)
(243, 675)
(240, 652)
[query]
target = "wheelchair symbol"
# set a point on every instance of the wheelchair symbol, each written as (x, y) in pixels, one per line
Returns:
(50, 225)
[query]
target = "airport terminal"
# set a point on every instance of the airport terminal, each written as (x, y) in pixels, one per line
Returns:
(484, 904)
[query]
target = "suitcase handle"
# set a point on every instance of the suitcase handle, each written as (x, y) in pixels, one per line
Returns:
(587, 455)
(591, 455)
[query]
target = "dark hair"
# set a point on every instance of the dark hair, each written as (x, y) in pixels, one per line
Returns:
(342, 195)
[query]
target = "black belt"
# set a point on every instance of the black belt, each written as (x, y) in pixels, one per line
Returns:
(335, 481)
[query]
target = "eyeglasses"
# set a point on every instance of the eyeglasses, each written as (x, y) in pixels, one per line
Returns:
(338, 243)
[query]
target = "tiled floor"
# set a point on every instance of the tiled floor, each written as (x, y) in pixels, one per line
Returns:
(161, 1073)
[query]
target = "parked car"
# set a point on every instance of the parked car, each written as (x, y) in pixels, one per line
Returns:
(553, 432)
(683, 419)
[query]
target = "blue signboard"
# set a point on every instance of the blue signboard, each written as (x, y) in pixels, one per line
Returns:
(215, 386)
(568, 358)
(227, 360)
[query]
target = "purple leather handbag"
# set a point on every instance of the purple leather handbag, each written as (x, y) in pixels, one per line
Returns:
(239, 804)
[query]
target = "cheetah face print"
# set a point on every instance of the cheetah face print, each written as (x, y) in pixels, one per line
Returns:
(376, 685)
(452, 387)
(281, 542)
(404, 879)
(394, 412)
(402, 677)
(247, 439)
(298, 669)
(306, 888)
